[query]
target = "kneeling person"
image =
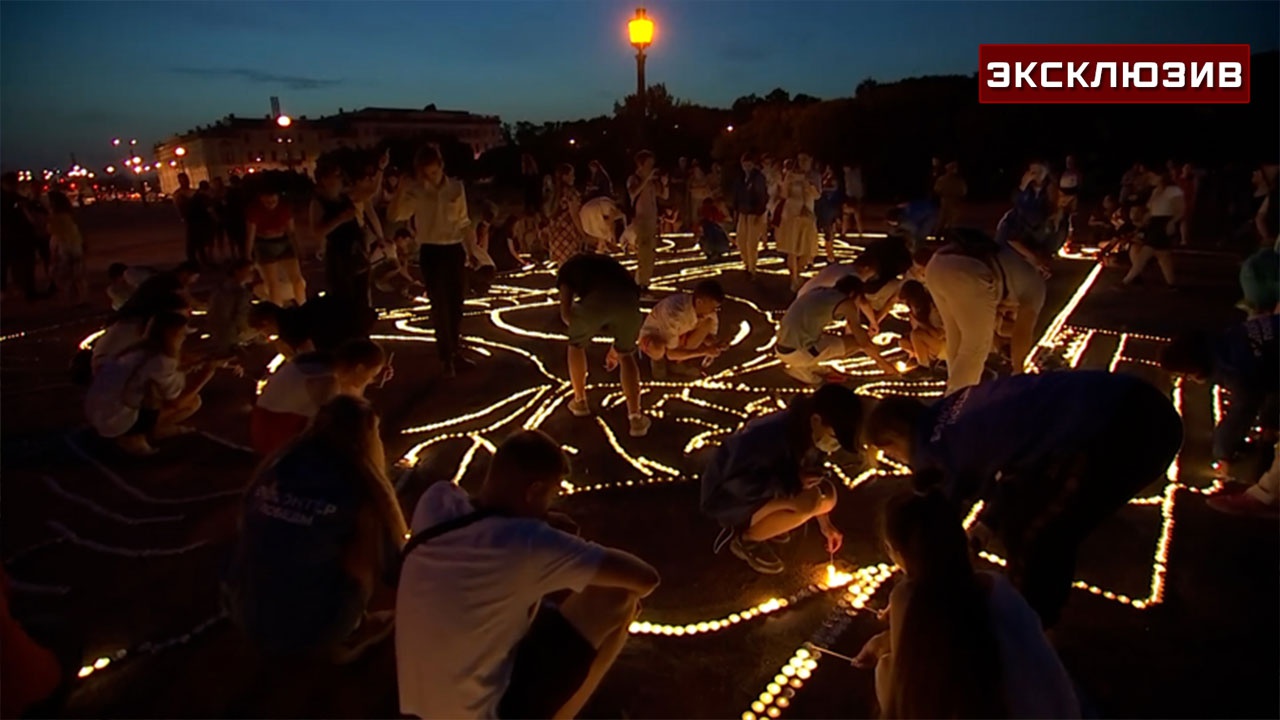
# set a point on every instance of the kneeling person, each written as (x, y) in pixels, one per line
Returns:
(767, 479)
(803, 344)
(475, 635)
(679, 335)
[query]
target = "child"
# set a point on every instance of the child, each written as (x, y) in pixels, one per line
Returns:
(670, 220)
(389, 272)
(714, 241)
(143, 394)
(927, 343)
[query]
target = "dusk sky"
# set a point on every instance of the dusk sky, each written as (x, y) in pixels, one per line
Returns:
(74, 75)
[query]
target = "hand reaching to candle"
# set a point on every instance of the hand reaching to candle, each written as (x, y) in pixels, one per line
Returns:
(875, 648)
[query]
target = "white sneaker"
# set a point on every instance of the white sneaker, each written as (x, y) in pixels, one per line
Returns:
(579, 408)
(640, 425)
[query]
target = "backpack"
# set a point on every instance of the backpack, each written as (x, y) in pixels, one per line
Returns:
(757, 193)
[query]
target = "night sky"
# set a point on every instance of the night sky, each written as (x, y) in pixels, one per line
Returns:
(74, 75)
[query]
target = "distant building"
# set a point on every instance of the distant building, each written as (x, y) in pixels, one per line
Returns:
(248, 145)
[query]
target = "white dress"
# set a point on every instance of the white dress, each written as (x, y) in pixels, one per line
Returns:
(798, 232)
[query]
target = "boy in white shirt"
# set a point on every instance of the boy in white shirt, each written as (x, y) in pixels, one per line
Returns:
(475, 635)
(679, 335)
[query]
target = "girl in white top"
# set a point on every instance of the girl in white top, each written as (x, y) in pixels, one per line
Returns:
(143, 394)
(960, 643)
(797, 234)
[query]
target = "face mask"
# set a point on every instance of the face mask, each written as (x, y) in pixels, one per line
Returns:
(828, 444)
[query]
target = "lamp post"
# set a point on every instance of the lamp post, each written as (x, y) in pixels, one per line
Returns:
(640, 31)
(181, 152)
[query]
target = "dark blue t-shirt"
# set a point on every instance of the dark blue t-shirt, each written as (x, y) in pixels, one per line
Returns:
(754, 465)
(1014, 424)
(300, 517)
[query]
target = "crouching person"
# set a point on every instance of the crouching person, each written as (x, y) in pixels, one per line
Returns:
(767, 479)
(143, 394)
(320, 535)
(476, 636)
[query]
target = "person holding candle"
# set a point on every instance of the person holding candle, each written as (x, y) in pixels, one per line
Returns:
(766, 479)
(960, 643)
(1052, 456)
(477, 634)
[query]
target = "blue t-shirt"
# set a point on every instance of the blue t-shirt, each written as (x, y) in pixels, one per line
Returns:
(752, 466)
(1014, 424)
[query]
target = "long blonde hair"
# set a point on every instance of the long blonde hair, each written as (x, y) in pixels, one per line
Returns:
(348, 427)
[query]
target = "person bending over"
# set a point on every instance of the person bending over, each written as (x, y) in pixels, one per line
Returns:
(803, 344)
(766, 479)
(319, 536)
(679, 335)
(1051, 455)
(598, 297)
(477, 635)
(960, 643)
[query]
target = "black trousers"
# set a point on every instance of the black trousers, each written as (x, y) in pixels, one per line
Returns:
(444, 276)
(1045, 516)
(346, 272)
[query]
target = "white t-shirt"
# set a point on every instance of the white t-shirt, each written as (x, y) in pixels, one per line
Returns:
(1024, 284)
(466, 598)
(595, 214)
(1162, 201)
(119, 336)
(293, 388)
(673, 317)
(826, 277)
(123, 384)
(1035, 682)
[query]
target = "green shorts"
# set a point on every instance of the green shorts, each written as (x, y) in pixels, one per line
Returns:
(269, 250)
(617, 317)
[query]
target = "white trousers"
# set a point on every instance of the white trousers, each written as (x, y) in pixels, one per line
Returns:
(967, 292)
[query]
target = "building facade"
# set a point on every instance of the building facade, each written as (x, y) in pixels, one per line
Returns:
(236, 145)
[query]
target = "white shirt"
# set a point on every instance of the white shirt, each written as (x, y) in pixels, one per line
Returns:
(439, 211)
(122, 385)
(674, 317)
(596, 217)
(1163, 202)
(119, 336)
(644, 199)
(296, 389)
(827, 277)
(466, 598)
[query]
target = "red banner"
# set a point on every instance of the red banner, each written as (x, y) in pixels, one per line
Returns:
(1113, 74)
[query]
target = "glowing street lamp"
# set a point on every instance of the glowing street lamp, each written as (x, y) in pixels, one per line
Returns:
(640, 31)
(111, 169)
(180, 151)
(115, 142)
(284, 121)
(729, 129)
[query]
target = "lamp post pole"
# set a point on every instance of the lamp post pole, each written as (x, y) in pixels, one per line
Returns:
(640, 31)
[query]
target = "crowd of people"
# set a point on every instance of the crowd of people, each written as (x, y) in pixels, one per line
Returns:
(498, 606)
